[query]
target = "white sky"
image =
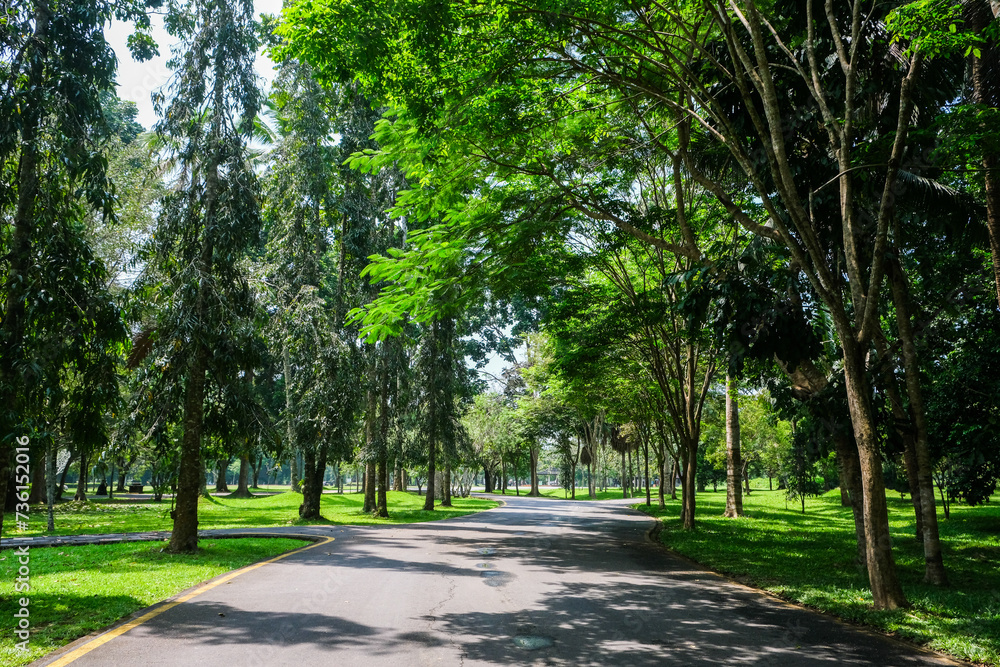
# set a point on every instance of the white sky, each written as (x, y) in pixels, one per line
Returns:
(137, 81)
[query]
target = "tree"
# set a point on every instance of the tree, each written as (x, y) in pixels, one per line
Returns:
(734, 462)
(207, 224)
(774, 119)
(58, 317)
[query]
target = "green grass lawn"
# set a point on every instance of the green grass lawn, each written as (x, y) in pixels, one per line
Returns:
(100, 516)
(809, 558)
(582, 493)
(561, 494)
(79, 590)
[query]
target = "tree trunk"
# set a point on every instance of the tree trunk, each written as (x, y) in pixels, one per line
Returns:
(979, 15)
(81, 482)
(309, 490)
(255, 464)
(294, 475)
(242, 487)
(850, 479)
(50, 485)
(37, 494)
(19, 257)
(446, 483)
(688, 485)
(487, 480)
(662, 465)
(934, 572)
(191, 479)
(398, 484)
(382, 505)
(904, 428)
(913, 481)
(734, 462)
(371, 484)
(220, 480)
(534, 452)
(290, 445)
(625, 493)
(645, 453)
(590, 473)
(887, 593)
(431, 469)
(517, 485)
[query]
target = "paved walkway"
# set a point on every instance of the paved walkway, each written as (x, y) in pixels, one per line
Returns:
(535, 582)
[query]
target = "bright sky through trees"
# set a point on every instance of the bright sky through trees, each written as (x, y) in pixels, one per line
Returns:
(137, 81)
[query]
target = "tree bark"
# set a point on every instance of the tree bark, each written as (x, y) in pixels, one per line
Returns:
(934, 572)
(371, 488)
(688, 485)
(662, 465)
(37, 494)
(446, 483)
(398, 484)
(734, 462)
(242, 487)
(431, 470)
(887, 593)
(645, 453)
(382, 505)
(81, 482)
(184, 538)
(14, 322)
(255, 464)
(221, 485)
(50, 485)
(850, 480)
(980, 14)
(290, 445)
(534, 452)
(625, 493)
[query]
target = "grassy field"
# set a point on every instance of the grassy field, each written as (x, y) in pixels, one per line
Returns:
(583, 494)
(561, 494)
(100, 516)
(79, 590)
(809, 558)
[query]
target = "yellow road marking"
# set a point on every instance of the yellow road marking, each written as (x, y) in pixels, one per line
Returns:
(103, 639)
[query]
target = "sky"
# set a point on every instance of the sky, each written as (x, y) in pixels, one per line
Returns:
(137, 81)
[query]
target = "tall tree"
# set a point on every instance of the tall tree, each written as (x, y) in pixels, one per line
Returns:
(206, 227)
(57, 314)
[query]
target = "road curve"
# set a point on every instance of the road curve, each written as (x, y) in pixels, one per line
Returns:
(535, 582)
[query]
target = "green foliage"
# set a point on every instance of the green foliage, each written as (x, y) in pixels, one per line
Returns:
(932, 28)
(60, 328)
(195, 282)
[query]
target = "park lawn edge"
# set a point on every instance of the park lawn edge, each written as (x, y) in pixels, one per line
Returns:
(655, 535)
(245, 514)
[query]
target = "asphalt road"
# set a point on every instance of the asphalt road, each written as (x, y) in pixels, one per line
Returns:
(537, 582)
